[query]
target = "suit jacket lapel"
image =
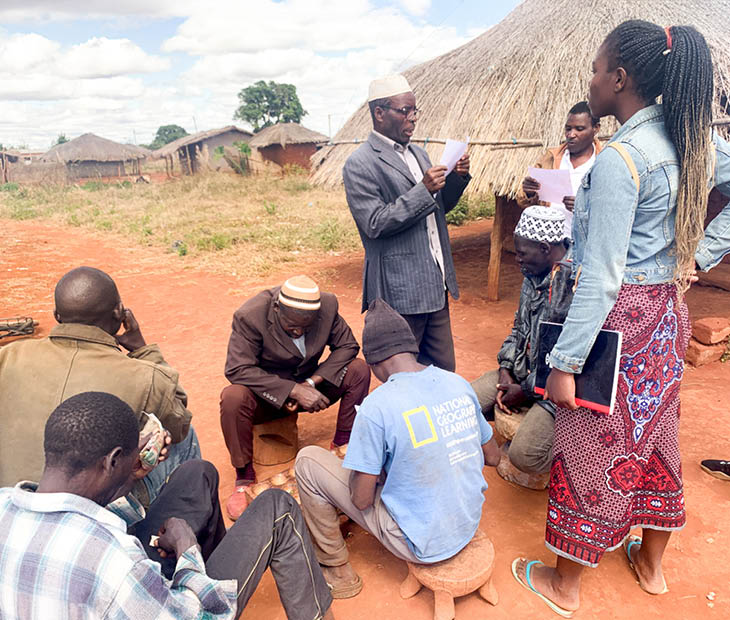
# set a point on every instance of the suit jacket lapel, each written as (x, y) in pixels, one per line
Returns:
(388, 155)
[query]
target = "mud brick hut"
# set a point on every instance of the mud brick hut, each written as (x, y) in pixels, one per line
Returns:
(201, 150)
(92, 157)
(511, 88)
(288, 144)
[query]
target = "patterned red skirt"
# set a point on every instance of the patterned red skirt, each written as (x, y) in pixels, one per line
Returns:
(614, 472)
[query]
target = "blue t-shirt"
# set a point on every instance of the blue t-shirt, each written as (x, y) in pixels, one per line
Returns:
(425, 429)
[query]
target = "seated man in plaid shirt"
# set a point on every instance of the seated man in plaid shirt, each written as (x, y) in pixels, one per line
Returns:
(64, 555)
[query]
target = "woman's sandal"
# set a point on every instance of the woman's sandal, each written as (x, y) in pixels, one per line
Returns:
(630, 542)
(527, 584)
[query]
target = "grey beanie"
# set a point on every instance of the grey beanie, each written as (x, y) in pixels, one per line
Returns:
(386, 333)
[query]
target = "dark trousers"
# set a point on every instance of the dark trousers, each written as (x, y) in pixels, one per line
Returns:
(433, 335)
(271, 533)
(241, 409)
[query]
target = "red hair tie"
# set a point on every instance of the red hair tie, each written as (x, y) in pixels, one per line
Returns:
(669, 38)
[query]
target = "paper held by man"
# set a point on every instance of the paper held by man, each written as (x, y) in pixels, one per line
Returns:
(453, 152)
(554, 184)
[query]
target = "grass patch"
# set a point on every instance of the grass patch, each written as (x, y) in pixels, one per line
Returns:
(469, 209)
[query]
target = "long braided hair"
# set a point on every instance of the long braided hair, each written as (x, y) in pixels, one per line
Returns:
(676, 64)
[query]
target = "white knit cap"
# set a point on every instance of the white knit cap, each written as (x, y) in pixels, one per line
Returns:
(541, 224)
(388, 87)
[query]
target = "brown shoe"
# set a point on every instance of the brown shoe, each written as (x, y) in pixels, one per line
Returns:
(342, 581)
(238, 501)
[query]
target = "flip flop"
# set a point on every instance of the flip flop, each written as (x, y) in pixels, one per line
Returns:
(629, 542)
(527, 584)
(346, 591)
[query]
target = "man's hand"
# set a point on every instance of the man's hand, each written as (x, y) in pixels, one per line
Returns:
(290, 405)
(175, 537)
(569, 202)
(138, 471)
(309, 398)
(462, 166)
(434, 178)
(510, 396)
(530, 186)
(163, 453)
(132, 338)
(560, 389)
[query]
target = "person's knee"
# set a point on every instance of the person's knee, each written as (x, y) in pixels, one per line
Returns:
(357, 371)
(529, 457)
(236, 398)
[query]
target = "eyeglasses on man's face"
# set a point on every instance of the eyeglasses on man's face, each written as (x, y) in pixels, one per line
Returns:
(407, 111)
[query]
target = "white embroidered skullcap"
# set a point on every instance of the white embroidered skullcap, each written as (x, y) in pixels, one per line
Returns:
(388, 87)
(541, 224)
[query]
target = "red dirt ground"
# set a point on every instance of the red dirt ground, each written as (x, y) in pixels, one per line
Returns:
(188, 312)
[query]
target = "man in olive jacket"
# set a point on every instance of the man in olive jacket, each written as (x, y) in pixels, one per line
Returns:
(83, 353)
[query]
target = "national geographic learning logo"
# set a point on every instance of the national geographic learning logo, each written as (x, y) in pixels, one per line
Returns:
(420, 426)
(454, 417)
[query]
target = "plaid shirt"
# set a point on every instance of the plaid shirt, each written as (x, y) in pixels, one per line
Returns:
(63, 556)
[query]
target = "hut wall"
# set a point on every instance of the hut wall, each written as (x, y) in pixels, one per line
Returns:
(96, 169)
(37, 172)
(294, 154)
(211, 144)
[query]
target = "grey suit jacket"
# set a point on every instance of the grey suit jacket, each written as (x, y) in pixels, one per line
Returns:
(390, 211)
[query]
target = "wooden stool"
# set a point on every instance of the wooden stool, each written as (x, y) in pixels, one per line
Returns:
(468, 570)
(507, 424)
(276, 442)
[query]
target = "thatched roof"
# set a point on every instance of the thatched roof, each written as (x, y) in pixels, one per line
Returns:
(90, 147)
(142, 150)
(286, 133)
(169, 149)
(518, 80)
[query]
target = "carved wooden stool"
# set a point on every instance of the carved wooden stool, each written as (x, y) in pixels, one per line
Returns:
(276, 442)
(507, 424)
(469, 570)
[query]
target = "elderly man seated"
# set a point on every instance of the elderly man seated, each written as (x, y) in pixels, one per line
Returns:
(273, 364)
(64, 555)
(412, 476)
(84, 353)
(547, 290)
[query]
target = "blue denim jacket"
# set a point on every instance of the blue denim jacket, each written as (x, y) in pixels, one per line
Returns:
(622, 235)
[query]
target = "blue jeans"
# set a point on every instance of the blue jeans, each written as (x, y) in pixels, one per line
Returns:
(178, 453)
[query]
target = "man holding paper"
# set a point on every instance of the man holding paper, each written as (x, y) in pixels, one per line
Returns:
(399, 202)
(574, 159)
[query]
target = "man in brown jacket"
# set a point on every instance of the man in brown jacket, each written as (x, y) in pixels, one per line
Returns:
(576, 155)
(84, 353)
(273, 364)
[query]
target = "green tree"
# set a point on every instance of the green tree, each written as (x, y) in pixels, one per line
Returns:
(166, 134)
(61, 138)
(267, 103)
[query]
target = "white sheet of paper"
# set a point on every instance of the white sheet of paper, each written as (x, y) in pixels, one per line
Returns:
(554, 184)
(453, 150)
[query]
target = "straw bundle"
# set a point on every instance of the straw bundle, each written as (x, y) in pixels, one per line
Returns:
(512, 86)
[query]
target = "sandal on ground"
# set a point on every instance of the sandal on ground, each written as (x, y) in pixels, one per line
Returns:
(527, 584)
(346, 591)
(630, 542)
(717, 468)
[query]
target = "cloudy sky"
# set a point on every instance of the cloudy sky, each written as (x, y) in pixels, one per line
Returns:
(121, 68)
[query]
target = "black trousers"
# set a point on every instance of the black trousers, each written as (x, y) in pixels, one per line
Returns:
(433, 335)
(271, 533)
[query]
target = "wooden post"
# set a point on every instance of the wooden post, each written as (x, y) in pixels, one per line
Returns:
(495, 251)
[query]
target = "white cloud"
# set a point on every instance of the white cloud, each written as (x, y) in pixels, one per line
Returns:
(416, 7)
(329, 49)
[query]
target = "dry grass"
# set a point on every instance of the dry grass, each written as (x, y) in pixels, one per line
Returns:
(223, 221)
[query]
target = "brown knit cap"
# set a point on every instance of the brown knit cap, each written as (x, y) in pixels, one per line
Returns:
(386, 333)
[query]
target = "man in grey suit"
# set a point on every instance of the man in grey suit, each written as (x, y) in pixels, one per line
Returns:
(399, 202)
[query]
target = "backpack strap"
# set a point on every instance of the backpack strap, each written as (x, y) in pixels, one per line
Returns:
(629, 162)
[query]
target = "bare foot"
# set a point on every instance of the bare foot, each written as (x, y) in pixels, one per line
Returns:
(651, 578)
(547, 581)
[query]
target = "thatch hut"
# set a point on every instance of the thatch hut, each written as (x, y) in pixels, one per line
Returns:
(91, 156)
(202, 150)
(288, 144)
(510, 89)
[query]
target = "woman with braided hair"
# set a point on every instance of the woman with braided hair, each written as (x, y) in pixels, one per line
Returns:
(637, 224)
